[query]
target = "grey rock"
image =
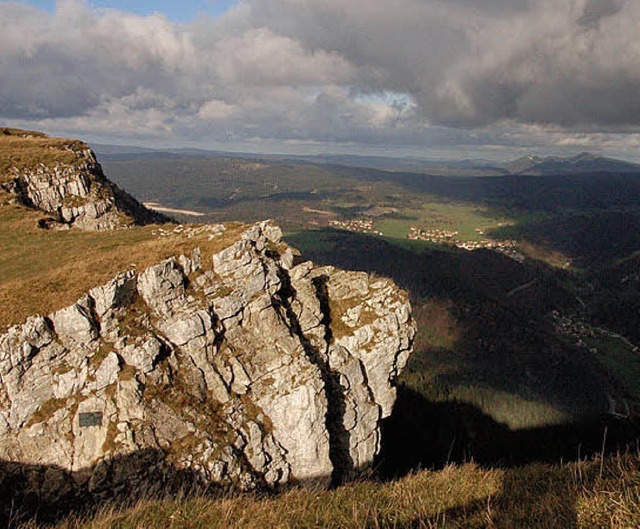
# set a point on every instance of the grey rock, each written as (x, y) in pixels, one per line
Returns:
(143, 357)
(163, 287)
(75, 324)
(183, 329)
(236, 384)
(116, 293)
(107, 373)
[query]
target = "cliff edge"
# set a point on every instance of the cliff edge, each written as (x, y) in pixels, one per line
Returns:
(239, 368)
(216, 358)
(63, 178)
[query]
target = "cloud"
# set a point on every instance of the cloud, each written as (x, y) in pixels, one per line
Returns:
(414, 73)
(260, 57)
(573, 63)
(69, 63)
(216, 110)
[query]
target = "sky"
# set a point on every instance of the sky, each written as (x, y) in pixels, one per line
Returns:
(441, 79)
(176, 10)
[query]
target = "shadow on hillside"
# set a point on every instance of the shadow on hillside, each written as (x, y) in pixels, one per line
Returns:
(505, 340)
(428, 272)
(46, 494)
(428, 435)
(527, 193)
(592, 239)
(425, 435)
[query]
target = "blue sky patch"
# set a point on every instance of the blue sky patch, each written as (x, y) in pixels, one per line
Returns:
(179, 11)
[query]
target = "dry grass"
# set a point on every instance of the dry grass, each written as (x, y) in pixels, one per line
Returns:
(46, 411)
(25, 150)
(339, 308)
(576, 495)
(8, 131)
(42, 271)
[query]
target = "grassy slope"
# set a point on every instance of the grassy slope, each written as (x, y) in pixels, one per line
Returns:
(25, 150)
(42, 271)
(576, 495)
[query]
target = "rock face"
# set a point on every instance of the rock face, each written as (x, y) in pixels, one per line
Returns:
(73, 189)
(242, 368)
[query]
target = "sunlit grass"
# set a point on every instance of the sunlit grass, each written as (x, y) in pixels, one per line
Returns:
(25, 150)
(506, 408)
(45, 270)
(544, 254)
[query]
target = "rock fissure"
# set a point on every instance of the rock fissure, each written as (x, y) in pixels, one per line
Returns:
(334, 420)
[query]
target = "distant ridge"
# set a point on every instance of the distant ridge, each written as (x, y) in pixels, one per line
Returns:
(527, 165)
(585, 162)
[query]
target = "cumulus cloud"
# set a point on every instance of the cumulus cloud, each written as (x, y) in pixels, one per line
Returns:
(216, 110)
(407, 73)
(69, 63)
(260, 57)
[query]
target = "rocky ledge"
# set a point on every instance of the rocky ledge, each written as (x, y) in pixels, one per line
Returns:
(246, 369)
(64, 179)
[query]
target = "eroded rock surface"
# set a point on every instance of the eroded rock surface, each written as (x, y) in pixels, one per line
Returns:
(240, 368)
(76, 194)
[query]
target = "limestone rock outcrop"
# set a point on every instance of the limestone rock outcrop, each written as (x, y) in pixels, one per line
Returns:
(69, 184)
(242, 368)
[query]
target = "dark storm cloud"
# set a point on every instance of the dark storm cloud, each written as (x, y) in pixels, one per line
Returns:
(475, 62)
(596, 10)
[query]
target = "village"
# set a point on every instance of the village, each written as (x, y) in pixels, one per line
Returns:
(434, 235)
(506, 247)
(580, 331)
(357, 225)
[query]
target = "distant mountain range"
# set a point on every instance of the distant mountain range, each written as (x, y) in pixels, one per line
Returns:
(527, 165)
(582, 163)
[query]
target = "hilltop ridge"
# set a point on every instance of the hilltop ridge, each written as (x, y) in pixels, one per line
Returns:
(63, 178)
(584, 162)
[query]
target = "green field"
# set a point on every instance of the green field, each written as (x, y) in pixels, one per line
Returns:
(464, 218)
